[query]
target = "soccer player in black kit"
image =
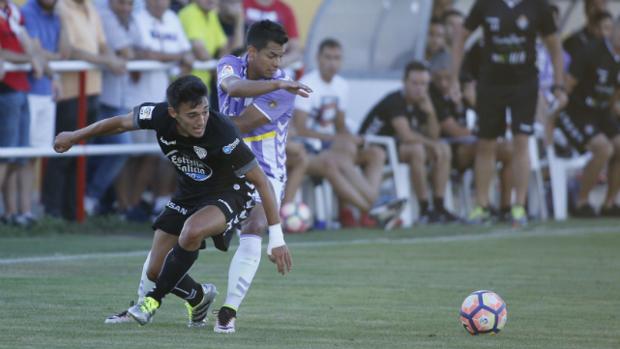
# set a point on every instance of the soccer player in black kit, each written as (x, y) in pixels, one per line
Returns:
(217, 174)
(508, 80)
(591, 120)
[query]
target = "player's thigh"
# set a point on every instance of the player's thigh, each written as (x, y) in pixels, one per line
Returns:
(163, 242)
(523, 102)
(412, 152)
(491, 110)
(256, 223)
(205, 222)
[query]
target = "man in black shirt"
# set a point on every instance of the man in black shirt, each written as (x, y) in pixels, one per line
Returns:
(217, 173)
(453, 109)
(508, 80)
(591, 31)
(408, 115)
(590, 121)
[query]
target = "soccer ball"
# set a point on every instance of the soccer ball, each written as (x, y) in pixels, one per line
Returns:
(483, 312)
(296, 217)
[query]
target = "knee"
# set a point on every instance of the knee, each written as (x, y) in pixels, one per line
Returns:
(376, 154)
(603, 149)
(418, 155)
(255, 227)
(191, 234)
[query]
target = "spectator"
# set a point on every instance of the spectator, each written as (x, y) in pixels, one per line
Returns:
(436, 48)
(16, 175)
(162, 39)
(87, 41)
(43, 26)
(277, 11)
(122, 37)
(440, 7)
(452, 109)
(408, 115)
(232, 20)
(591, 122)
(321, 119)
(591, 31)
(452, 19)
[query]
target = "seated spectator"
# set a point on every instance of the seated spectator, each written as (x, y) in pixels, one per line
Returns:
(87, 41)
(277, 11)
(452, 109)
(452, 19)
(590, 121)
(591, 31)
(408, 115)
(320, 119)
(440, 7)
(16, 175)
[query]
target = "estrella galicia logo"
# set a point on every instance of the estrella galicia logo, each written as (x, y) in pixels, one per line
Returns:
(196, 170)
(227, 149)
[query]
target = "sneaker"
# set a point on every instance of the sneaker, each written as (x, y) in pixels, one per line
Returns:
(198, 314)
(225, 322)
(611, 212)
(388, 214)
(144, 311)
(584, 211)
(120, 318)
(519, 216)
(368, 222)
(479, 215)
(347, 220)
(445, 216)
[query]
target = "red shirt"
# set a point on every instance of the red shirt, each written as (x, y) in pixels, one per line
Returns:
(11, 23)
(277, 12)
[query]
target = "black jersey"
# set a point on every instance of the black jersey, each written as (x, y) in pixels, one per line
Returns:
(379, 119)
(446, 108)
(213, 163)
(577, 42)
(597, 70)
(510, 30)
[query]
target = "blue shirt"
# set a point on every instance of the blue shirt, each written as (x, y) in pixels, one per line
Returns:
(46, 28)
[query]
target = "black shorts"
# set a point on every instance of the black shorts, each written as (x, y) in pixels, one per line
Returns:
(494, 100)
(579, 128)
(235, 205)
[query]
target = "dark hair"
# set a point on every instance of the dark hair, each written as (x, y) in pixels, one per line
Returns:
(437, 21)
(555, 10)
(600, 16)
(186, 89)
(415, 66)
(451, 12)
(329, 43)
(261, 33)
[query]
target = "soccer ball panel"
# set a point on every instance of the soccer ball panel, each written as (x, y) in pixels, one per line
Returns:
(484, 320)
(296, 217)
(470, 304)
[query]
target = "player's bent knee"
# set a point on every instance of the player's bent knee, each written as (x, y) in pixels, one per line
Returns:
(602, 148)
(191, 235)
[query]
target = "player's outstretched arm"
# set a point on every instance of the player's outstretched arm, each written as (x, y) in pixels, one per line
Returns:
(237, 87)
(117, 124)
(276, 248)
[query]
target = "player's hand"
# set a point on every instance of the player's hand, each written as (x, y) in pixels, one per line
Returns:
(296, 88)
(282, 258)
(561, 98)
(63, 142)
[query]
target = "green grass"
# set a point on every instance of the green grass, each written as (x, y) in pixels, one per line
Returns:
(399, 289)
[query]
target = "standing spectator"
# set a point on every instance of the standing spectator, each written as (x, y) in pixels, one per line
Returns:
(43, 26)
(436, 49)
(440, 7)
(276, 11)
(452, 20)
(16, 47)
(408, 115)
(122, 37)
(231, 17)
(508, 79)
(322, 119)
(87, 41)
(591, 121)
(580, 39)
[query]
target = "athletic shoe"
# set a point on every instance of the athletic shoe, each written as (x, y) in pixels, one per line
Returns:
(144, 311)
(347, 220)
(445, 216)
(120, 318)
(225, 322)
(519, 216)
(479, 215)
(198, 315)
(368, 222)
(388, 214)
(611, 212)
(584, 211)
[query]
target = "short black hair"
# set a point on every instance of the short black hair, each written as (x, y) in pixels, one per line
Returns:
(187, 89)
(262, 32)
(437, 21)
(600, 16)
(415, 66)
(329, 43)
(555, 10)
(451, 12)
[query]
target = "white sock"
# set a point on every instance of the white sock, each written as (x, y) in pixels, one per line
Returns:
(242, 269)
(145, 284)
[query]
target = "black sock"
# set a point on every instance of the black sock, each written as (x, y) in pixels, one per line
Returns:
(438, 204)
(423, 206)
(175, 267)
(189, 290)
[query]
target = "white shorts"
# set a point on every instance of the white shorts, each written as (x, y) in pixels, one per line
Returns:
(278, 189)
(42, 120)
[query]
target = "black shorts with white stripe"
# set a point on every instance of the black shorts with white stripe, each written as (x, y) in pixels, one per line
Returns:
(579, 127)
(234, 204)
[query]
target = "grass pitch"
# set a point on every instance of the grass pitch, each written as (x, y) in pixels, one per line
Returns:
(348, 289)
